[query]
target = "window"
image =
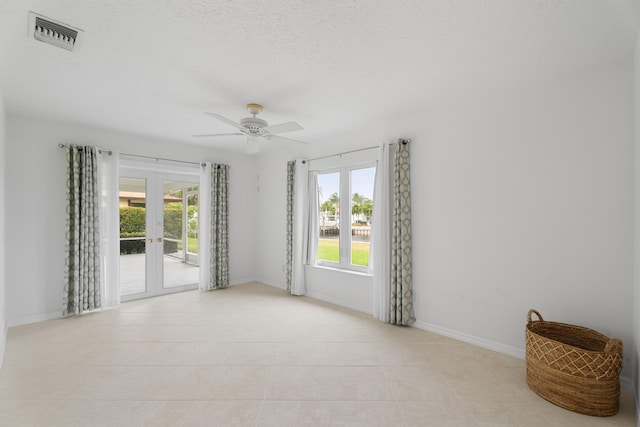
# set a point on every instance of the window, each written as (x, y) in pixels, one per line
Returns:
(344, 217)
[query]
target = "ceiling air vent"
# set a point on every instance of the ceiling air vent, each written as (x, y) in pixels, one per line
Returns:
(53, 32)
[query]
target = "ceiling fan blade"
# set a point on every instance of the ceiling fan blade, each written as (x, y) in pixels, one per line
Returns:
(217, 134)
(284, 139)
(227, 121)
(283, 127)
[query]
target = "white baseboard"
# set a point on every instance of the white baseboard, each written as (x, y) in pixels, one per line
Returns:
(626, 383)
(26, 320)
(471, 339)
(242, 281)
(3, 337)
(636, 405)
(337, 301)
(273, 283)
(517, 352)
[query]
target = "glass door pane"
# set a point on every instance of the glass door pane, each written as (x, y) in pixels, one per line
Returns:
(180, 228)
(192, 227)
(133, 229)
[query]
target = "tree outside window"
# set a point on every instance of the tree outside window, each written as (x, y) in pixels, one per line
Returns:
(348, 189)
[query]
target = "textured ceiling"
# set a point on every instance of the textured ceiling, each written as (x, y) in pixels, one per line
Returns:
(152, 67)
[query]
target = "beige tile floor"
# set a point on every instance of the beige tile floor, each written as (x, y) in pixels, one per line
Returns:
(253, 355)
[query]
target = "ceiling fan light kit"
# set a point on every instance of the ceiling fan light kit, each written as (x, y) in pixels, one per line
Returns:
(256, 129)
(253, 146)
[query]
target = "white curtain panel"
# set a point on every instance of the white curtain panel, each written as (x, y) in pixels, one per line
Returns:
(380, 254)
(311, 243)
(82, 276)
(204, 216)
(297, 225)
(300, 213)
(108, 170)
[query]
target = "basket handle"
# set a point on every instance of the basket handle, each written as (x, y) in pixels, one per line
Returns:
(614, 345)
(532, 311)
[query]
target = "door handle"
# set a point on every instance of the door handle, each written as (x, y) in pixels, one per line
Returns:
(159, 239)
(150, 240)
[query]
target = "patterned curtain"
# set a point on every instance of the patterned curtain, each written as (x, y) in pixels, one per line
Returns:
(291, 173)
(219, 226)
(82, 247)
(401, 308)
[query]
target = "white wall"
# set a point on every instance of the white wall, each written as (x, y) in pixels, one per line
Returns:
(36, 207)
(522, 198)
(271, 208)
(526, 201)
(3, 312)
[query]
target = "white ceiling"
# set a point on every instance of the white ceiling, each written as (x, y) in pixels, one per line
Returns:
(153, 67)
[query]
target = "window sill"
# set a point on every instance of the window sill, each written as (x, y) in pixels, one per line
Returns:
(340, 270)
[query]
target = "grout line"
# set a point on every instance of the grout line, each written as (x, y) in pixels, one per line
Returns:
(378, 344)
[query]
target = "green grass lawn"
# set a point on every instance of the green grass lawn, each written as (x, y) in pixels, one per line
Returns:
(328, 250)
(192, 245)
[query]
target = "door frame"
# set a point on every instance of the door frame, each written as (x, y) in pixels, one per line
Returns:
(154, 176)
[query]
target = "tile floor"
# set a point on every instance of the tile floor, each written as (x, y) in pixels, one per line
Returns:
(253, 355)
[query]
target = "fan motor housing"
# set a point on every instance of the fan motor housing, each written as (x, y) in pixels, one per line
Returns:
(254, 125)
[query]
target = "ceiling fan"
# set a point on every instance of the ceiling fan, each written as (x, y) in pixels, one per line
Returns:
(256, 129)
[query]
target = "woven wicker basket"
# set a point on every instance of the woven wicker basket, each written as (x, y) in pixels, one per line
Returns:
(573, 367)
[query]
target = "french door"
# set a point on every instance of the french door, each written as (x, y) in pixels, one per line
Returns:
(158, 232)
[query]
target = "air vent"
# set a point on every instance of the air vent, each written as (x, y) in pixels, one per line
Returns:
(53, 32)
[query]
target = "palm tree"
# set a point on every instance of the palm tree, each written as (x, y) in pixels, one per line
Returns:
(335, 200)
(361, 205)
(367, 208)
(328, 207)
(356, 204)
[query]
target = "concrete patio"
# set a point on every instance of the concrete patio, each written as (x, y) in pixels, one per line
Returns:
(176, 273)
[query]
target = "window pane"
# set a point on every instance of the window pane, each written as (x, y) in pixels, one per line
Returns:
(329, 217)
(361, 210)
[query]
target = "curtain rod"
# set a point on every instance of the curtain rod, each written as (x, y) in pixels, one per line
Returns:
(161, 158)
(402, 140)
(109, 152)
(100, 150)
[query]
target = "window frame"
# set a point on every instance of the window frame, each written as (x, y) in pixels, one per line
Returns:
(346, 233)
